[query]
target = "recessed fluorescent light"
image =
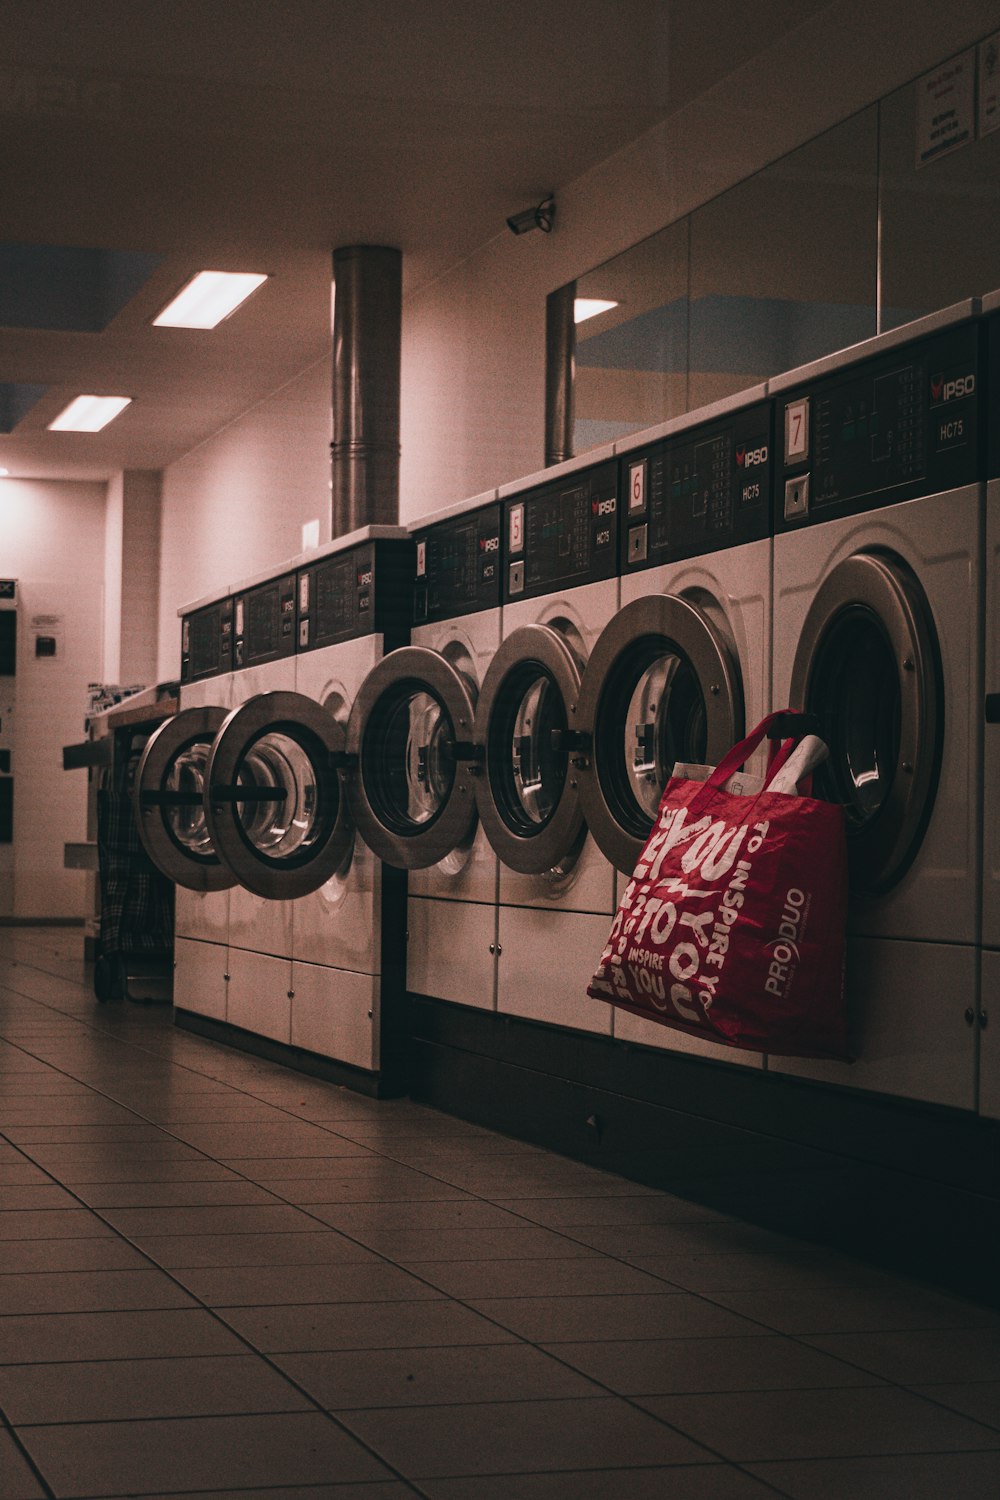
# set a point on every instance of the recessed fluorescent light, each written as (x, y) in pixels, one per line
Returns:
(208, 298)
(89, 413)
(589, 307)
(4, 473)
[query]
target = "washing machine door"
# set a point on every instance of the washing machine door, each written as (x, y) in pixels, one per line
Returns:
(662, 685)
(527, 723)
(410, 739)
(276, 807)
(169, 804)
(868, 665)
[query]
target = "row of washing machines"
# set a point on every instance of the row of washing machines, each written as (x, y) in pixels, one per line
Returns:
(426, 762)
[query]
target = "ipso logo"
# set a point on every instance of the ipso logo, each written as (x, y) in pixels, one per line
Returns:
(603, 507)
(364, 578)
(751, 458)
(952, 390)
(489, 544)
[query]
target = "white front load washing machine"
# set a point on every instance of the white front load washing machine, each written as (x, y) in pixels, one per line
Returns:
(557, 889)
(170, 811)
(280, 787)
(989, 1007)
(415, 791)
(683, 669)
(260, 930)
(878, 576)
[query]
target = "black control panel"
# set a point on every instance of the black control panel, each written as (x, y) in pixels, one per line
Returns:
(458, 566)
(356, 592)
(207, 641)
(706, 488)
(993, 396)
(264, 622)
(562, 534)
(895, 426)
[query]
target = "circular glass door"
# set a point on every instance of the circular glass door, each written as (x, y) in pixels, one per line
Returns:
(867, 665)
(410, 736)
(526, 720)
(275, 804)
(169, 802)
(661, 686)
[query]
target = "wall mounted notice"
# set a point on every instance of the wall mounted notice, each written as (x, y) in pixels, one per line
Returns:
(946, 100)
(989, 84)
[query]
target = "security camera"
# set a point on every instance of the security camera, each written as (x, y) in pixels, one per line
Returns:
(534, 218)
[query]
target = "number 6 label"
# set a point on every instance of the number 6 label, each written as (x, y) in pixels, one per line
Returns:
(637, 486)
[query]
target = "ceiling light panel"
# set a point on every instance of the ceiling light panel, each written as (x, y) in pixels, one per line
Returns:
(89, 413)
(208, 298)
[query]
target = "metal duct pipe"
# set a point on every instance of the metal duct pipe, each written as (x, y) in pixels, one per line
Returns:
(367, 322)
(560, 365)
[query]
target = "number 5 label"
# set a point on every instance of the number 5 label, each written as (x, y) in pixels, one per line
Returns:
(797, 430)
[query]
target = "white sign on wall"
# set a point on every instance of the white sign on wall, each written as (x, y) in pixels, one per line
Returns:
(946, 100)
(989, 84)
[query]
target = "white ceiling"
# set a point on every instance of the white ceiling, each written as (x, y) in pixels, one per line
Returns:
(259, 134)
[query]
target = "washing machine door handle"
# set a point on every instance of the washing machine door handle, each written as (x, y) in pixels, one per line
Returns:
(991, 708)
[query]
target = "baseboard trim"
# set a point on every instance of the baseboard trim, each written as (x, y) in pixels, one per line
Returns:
(42, 921)
(911, 1188)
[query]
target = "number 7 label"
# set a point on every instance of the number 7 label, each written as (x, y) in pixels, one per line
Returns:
(797, 430)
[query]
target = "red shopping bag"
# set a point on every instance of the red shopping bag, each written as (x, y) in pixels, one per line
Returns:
(732, 926)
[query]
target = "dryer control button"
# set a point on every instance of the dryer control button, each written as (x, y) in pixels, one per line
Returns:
(516, 582)
(637, 544)
(796, 497)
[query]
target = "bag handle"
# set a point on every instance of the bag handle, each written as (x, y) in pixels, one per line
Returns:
(785, 727)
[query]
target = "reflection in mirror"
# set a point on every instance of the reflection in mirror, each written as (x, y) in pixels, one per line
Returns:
(940, 223)
(631, 340)
(783, 266)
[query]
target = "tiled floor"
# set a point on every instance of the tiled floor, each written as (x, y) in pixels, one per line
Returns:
(219, 1277)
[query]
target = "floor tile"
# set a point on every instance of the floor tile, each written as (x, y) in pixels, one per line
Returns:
(184, 1194)
(390, 1490)
(972, 1476)
(922, 1357)
(120, 1389)
(101, 1253)
(856, 1309)
(707, 1481)
(17, 1481)
(50, 1224)
(656, 1208)
(88, 1291)
(263, 1286)
(977, 1399)
(519, 1437)
(314, 1246)
(802, 1269)
(44, 1194)
(575, 1319)
(443, 1215)
(196, 1453)
(285, 1139)
(707, 1237)
(591, 1275)
(361, 1325)
(522, 1241)
(637, 1367)
(39, 1339)
(256, 1218)
(432, 1377)
(333, 1192)
(752, 1426)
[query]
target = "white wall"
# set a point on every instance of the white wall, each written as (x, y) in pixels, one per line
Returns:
(237, 505)
(474, 340)
(52, 539)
